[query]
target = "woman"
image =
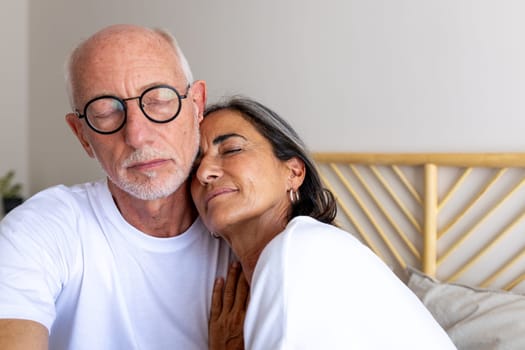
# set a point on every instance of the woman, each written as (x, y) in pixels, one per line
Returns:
(313, 286)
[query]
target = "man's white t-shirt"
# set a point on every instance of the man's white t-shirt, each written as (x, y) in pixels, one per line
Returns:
(317, 287)
(69, 261)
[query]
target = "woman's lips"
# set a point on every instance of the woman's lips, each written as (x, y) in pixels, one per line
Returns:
(217, 192)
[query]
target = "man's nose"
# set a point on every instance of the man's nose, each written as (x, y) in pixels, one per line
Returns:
(137, 128)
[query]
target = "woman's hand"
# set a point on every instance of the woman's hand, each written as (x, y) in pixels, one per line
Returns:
(228, 308)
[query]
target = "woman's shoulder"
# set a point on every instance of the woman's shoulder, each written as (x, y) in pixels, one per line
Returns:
(306, 228)
(305, 238)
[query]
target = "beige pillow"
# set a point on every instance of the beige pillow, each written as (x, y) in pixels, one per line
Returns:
(475, 319)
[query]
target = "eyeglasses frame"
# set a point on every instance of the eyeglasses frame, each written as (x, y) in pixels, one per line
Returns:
(124, 104)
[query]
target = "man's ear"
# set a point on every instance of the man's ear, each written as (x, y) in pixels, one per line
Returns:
(75, 124)
(198, 97)
(297, 172)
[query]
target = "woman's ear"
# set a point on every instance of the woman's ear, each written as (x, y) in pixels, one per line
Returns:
(297, 172)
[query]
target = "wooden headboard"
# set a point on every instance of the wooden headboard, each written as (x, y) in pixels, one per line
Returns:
(457, 217)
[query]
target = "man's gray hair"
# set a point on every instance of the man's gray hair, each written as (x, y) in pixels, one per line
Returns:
(72, 59)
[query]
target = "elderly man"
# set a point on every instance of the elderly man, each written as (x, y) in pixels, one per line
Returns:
(122, 263)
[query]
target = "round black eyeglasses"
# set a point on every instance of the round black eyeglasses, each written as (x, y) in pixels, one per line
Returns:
(107, 114)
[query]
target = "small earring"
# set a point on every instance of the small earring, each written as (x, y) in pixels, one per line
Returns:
(294, 196)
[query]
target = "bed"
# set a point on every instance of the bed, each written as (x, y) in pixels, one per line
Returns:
(451, 225)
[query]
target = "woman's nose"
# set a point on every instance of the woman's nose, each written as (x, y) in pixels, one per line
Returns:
(208, 170)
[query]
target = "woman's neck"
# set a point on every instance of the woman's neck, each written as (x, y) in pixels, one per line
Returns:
(248, 240)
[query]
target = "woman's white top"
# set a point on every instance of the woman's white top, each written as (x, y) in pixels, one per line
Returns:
(317, 287)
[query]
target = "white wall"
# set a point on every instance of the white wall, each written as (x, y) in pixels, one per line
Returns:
(351, 75)
(13, 90)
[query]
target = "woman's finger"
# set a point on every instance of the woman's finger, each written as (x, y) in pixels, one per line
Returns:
(241, 293)
(216, 299)
(231, 285)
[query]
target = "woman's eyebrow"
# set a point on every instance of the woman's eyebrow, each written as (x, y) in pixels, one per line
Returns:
(222, 138)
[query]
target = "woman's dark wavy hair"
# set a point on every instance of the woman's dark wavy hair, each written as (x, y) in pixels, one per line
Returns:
(315, 200)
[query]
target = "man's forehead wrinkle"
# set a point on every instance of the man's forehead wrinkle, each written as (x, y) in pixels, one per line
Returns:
(125, 38)
(113, 47)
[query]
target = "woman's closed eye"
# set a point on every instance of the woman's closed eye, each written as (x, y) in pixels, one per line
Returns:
(231, 150)
(230, 143)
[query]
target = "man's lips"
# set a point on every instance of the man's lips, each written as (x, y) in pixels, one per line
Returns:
(147, 165)
(217, 192)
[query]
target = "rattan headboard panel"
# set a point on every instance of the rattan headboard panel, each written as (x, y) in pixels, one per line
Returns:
(458, 217)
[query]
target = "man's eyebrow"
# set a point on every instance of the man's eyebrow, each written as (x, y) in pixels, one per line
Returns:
(224, 137)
